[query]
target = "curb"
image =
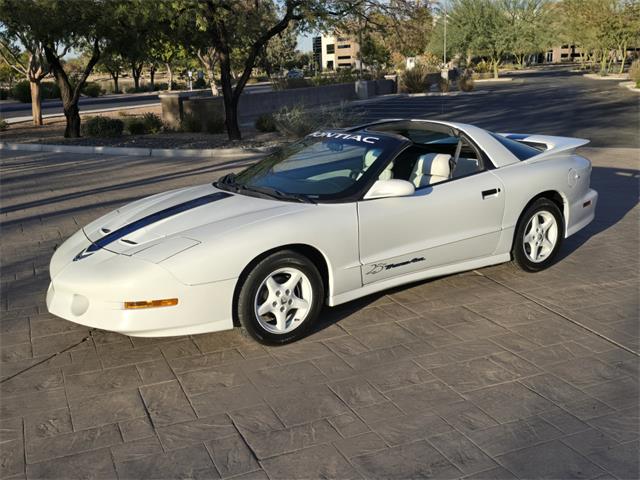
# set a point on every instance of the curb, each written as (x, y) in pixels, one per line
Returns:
(596, 76)
(487, 80)
(447, 94)
(137, 151)
(630, 86)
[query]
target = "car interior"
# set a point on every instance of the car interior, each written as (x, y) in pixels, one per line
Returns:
(437, 155)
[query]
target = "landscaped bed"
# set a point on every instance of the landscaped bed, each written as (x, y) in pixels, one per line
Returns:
(52, 133)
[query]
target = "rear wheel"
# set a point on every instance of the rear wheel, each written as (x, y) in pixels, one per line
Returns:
(538, 236)
(280, 298)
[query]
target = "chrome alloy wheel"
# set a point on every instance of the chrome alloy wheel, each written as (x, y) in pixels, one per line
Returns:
(540, 236)
(283, 300)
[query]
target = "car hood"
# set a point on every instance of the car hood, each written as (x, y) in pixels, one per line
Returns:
(180, 213)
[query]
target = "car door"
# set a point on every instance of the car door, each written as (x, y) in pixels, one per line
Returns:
(440, 224)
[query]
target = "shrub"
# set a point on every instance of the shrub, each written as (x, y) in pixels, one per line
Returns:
(214, 124)
(298, 121)
(133, 89)
(49, 90)
(3, 125)
(465, 83)
(266, 123)
(135, 126)
(21, 91)
(190, 123)
(294, 121)
(4, 93)
(634, 72)
(153, 123)
(200, 83)
(415, 80)
(482, 67)
(284, 83)
(444, 85)
(92, 89)
(102, 127)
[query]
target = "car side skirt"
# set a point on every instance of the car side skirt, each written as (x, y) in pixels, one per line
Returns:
(417, 276)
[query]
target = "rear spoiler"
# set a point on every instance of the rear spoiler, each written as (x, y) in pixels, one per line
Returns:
(550, 145)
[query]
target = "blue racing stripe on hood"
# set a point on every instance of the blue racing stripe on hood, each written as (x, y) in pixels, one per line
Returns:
(150, 219)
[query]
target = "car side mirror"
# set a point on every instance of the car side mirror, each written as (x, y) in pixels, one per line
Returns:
(390, 188)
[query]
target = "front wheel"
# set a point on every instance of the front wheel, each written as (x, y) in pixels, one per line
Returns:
(538, 236)
(280, 298)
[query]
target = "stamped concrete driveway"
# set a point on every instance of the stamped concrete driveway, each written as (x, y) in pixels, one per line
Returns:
(488, 374)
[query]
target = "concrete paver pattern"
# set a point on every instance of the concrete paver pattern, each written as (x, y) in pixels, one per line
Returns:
(488, 374)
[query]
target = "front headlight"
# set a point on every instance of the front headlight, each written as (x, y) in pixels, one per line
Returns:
(159, 252)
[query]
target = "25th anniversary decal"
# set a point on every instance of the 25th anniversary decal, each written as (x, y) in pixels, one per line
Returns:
(381, 267)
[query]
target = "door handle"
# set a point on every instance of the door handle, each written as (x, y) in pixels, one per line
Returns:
(490, 193)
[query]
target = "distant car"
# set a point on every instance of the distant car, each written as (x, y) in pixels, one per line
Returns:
(336, 216)
(295, 74)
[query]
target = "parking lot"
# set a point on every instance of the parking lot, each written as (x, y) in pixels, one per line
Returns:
(493, 373)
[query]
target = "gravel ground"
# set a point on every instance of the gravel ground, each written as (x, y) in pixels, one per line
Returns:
(53, 133)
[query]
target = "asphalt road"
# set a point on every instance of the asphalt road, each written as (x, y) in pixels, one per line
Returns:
(551, 102)
(107, 102)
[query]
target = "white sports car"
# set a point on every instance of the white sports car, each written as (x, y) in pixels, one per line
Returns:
(336, 216)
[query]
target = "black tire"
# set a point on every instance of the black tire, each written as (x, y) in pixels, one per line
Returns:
(246, 299)
(519, 252)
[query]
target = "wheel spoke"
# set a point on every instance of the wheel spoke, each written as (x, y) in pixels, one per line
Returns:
(281, 319)
(529, 238)
(299, 303)
(294, 279)
(534, 223)
(534, 252)
(547, 244)
(272, 286)
(265, 308)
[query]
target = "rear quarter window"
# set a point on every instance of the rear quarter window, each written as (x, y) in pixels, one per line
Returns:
(520, 150)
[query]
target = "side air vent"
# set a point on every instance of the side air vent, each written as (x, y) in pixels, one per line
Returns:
(105, 230)
(130, 242)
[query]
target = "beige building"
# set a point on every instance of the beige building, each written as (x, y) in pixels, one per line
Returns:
(332, 52)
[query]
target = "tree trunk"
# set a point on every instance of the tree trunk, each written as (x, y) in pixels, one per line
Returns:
(135, 73)
(623, 58)
(214, 88)
(72, 114)
(152, 75)
(495, 68)
(170, 74)
(229, 98)
(36, 103)
(116, 89)
(603, 64)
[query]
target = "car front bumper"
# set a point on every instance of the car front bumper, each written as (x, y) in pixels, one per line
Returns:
(92, 292)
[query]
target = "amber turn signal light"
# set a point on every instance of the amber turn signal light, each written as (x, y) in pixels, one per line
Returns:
(165, 302)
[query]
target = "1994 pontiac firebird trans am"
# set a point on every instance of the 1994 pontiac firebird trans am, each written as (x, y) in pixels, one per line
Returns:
(334, 217)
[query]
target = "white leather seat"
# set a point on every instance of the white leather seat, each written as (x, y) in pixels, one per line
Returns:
(369, 158)
(430, 168)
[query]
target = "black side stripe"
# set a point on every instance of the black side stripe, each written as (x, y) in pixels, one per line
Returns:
(150, 219)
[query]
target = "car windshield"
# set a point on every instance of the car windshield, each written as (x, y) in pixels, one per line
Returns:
(325, 165)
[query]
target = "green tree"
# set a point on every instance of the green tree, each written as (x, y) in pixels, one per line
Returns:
(111, 62)
(529, 27)
(279, 52)
(478, 28)
(31, 64)
(239, 31)
(59, 26)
